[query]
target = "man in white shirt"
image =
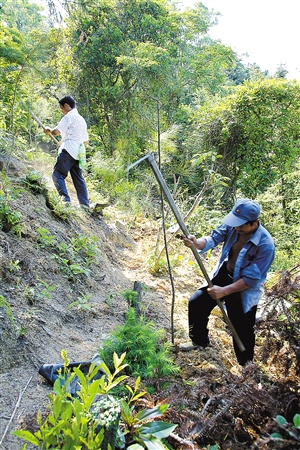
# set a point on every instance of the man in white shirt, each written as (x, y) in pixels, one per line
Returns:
(73, 130)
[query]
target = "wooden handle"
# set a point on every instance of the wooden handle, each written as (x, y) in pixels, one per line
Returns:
(184, 229)
(41, 125)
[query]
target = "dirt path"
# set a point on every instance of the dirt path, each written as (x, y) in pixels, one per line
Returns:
(213, 400)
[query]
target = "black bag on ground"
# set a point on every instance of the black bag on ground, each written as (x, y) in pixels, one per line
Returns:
(51, 372)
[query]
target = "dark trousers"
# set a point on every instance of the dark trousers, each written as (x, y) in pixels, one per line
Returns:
(201, 305)
(65, 164)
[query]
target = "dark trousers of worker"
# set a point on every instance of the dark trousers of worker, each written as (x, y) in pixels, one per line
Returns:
(66, 163)
(201, 305)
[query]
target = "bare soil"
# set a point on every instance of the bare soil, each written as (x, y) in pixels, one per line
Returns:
(213, 400)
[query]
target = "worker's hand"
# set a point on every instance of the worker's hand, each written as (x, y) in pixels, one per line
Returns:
(189, 241)
(47, 130)
(216, 292)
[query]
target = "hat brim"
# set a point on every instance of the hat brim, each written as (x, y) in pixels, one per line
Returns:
(233, 221)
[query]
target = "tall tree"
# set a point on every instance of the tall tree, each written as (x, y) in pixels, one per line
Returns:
(21, 50)
(253, 134)
(21, 14)
(128, 52)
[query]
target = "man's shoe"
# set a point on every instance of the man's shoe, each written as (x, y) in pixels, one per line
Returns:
(188, 346)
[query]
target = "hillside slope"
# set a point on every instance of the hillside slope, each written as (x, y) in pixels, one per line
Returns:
(63, 280)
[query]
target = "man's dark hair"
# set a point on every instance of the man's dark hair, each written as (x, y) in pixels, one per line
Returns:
(69, 100)
(251, 222)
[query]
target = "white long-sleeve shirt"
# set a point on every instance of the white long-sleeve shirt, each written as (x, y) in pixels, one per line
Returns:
(73, 130)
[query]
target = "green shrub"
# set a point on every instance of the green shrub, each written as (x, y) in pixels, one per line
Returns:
(75, 256)
(132, 191)
(85, 246)
(58, 208)
(106, 173)
(34, 181)
(10, 220)
(71, 423)
(146, 353)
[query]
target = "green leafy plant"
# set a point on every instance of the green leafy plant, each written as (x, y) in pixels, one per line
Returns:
(289, 431)
(76, 269)
(39, 291)
(29, 294)
(4, 302)
(82, 303)
(131, 296)
(58, 208)
(44, 289)
(14, 266)
(70, 423)
(85, 246)
(9, 220)
(45, 239)
(140, 427)
(147, 354)
(94, 419)
(109, 298)
(157, 266)
(74, 257)
(22, 331)
(33, 180)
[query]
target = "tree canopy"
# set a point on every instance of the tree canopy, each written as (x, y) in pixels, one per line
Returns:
(147, 76)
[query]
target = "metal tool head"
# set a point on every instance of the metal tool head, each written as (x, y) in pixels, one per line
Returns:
(149, 156)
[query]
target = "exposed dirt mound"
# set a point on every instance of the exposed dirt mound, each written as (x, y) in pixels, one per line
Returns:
(213, 400)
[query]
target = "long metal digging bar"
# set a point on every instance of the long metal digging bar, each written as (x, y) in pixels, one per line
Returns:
(150, 159)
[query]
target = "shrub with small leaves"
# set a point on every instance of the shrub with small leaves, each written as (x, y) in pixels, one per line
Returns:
(33, 181)
(147, 354)
(10, 220)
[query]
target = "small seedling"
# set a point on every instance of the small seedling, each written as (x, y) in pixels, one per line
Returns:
(22, 331)
(46, 291)
(14, 266)
(290, 430)
(82, 303)
(4, 302)
(45, 239)
(109, 298)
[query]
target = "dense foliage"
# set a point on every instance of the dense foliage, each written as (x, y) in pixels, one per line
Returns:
(146, 353)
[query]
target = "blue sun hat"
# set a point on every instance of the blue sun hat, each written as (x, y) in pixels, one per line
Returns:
(244, 210)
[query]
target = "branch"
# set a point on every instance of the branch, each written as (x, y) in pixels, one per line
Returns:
(180, 440)
(15, 409)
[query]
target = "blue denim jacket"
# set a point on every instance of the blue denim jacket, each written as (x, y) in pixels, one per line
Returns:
(253, 261)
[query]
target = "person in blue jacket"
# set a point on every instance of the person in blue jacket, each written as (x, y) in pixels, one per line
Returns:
(247, 254)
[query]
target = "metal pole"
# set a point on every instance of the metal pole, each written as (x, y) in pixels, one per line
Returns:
(150, 159)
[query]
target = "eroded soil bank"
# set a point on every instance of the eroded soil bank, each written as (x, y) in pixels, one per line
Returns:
(213, 400)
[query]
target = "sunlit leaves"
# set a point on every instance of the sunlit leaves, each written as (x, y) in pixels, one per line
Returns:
(255, 130)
